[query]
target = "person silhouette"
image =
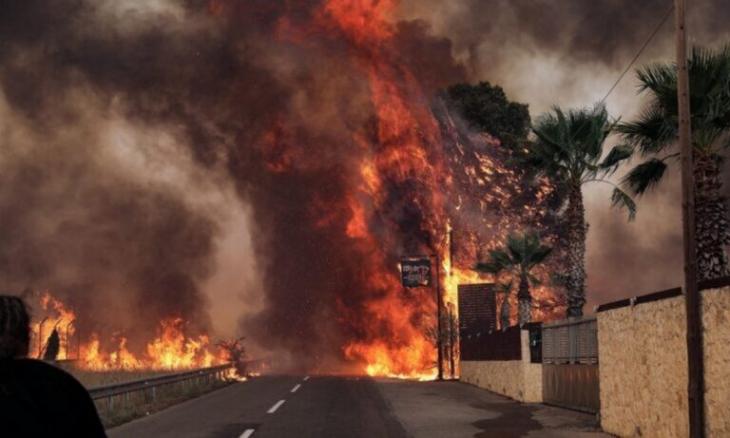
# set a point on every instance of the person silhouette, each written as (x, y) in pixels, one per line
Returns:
(36, 398)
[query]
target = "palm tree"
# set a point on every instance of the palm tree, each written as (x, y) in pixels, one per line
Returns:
(568, 151)
(654, 134)
(520, 256)
(504, 289)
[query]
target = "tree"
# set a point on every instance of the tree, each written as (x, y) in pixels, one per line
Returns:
(520, 256)
(236, 354)
(505, 289)
(568, 150)
(654, 133)
(486, 109)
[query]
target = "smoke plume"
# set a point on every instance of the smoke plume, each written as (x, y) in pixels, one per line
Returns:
(126, 126)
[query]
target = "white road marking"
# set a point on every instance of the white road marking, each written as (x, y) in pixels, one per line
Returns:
(247, 433)
(275, 407)
(306, 378)
(296, 388)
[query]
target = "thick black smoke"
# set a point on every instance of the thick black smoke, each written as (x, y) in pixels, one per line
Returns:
(254, 96)
(98, 206)
(244, 93)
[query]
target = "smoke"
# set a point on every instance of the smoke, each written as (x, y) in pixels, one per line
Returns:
(127, 124)
(104, 204)
(141, 139)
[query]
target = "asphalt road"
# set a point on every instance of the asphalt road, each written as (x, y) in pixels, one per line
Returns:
(318, 407)
(299, 406)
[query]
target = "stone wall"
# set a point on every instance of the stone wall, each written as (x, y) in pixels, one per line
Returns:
(643, 367)
(517, 379)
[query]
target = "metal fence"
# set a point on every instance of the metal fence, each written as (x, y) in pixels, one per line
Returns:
(570, 364)
(570, 342)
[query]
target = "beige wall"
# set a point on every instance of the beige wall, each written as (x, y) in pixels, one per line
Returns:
(643, 367)
(517, 379)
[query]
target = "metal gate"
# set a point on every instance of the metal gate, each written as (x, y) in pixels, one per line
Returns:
(570, 364)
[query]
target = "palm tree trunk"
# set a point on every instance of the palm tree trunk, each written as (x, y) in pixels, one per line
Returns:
(576, 252)
(504, 312)
(711, 218)
(525, 300)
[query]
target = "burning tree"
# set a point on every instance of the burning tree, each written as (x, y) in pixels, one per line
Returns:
(235, 352)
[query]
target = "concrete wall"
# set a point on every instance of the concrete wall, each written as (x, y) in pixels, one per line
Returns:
(517, 379)
(643, 367)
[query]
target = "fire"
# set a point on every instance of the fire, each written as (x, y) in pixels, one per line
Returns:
(408, 151)
(411, 173)
(405, 135)
(60, 319)
(170, 349)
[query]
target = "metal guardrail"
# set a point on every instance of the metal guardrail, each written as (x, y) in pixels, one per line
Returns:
(107, 391)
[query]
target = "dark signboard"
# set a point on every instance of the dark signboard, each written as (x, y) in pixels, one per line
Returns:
(477, 309)
(416, 272)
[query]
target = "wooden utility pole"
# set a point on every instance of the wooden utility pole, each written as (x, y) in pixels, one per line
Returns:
(452, 341)
(439, 305)
(692, 300)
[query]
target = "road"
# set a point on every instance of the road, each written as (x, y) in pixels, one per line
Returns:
(300, 406)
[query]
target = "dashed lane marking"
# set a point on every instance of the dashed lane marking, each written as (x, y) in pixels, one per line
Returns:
(247, 433)
(296, 388)
(275, 407)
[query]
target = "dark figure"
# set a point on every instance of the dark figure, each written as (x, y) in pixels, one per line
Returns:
(53, 345)
(38, 399)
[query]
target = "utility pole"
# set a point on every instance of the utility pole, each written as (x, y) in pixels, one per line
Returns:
(439, 305)
(452, 341)
(695, 387)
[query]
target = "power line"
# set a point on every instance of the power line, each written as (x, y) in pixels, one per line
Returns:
(641, 50)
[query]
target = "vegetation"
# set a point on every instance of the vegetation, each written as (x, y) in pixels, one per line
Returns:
(504, 289)
(520, 256)
(653, 135)
(568, 150)
(486, 108)
(236, 352)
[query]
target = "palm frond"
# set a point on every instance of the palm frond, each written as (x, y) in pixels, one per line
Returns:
(489, 267)
(569, 143)
(620, 153)
(504, 287)
(619, 198)
(534, 280)
(645, 175)
(653, 131)
(498, 261)
(540, 254)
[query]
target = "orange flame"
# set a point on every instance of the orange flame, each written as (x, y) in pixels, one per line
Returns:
(171, 349)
